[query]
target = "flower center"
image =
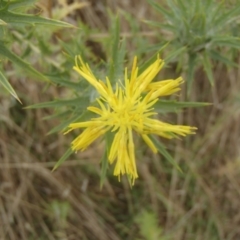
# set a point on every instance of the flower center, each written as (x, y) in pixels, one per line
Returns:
(126, 115)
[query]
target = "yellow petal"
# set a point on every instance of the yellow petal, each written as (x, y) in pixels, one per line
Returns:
(149, 142)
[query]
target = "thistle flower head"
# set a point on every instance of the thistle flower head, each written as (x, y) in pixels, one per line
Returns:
(127, 108)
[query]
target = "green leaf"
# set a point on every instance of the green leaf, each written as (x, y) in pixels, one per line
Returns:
(198, 24)
(182, 6)
(115, 40)
(8, 86)
(60, 115)
(227, 41)
(18, 18)
(104, 167)
(117, 54)
(227, 17)
(208, 67)
(165, 106)
(20, 4)
(152, 23)
(151, 60)
(213, 11)
(17, 60)
(63, 125)
(63, 159)
(61, 80)
(172, 55)
(75, 118)
(167, 26)
(190, 71)
(109, 136)
(219, 57)
(80, 102)
(164, 152)
(162, 10)
(2, 22)
(177, 14)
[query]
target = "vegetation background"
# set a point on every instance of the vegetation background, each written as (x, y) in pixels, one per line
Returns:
(203, 47)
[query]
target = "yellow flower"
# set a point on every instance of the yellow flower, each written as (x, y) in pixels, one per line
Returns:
(127, 108)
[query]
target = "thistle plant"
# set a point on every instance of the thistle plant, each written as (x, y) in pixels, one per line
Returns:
(129, 108)
(199, 33)
(118, 106)
(13, 17)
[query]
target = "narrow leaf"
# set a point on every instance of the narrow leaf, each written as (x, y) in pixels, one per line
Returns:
(109, 136)
(104, 167)
(227, 41)
(152, 59)
(174, 54)
(177, 14)
(228, 17)
(63, 125)
(164, 106)
(75, 118)
(80, 102)
(114, 49)
(219, 57)
(63, 159)
(17, 60)
(20, 4)
(190, 71)
(62, 80)
(162, 10)
(165, 153)
(17, 18)
(2, 22)
(8, 86)
(60, 115)
(208, 68)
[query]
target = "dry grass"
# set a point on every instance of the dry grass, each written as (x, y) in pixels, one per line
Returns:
(36, 203)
